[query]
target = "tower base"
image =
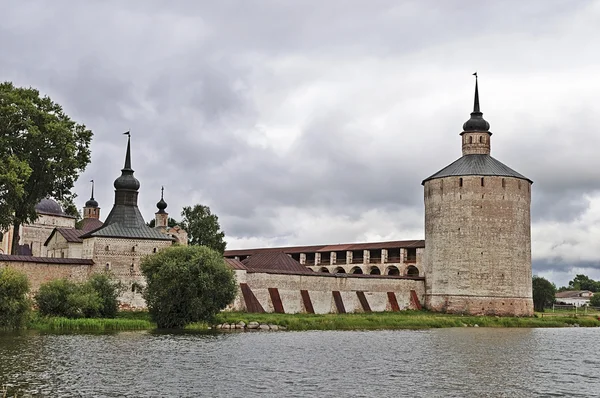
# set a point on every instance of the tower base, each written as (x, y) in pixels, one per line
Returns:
(478, 305)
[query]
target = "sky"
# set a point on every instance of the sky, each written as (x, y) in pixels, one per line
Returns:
(314, 122)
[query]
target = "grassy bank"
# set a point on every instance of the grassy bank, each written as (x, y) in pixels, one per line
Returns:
(140, 320)
(123, 321)
(399, 320)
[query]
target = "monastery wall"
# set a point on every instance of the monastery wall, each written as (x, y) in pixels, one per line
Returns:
(39, 271)
(478, 252)
(320, 290)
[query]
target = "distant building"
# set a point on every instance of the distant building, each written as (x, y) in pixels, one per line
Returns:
(578, 298)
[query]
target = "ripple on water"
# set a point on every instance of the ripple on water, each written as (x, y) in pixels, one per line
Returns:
(445, 362)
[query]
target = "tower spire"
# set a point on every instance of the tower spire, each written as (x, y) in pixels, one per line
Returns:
(128, 154)
(92, 197)
(476, 102)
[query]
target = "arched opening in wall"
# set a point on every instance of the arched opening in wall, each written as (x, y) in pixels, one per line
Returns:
(375, 271)
(471, 140)
(340, 270)
(480, 139)
(356, 270)
(460, 182)
(106, 248)
(503, 183)
(133, 288)
(393, 271)
(482, 182)
(324, 269)
(154, 250)
(412, 271)
(107, 267)
(133, 249)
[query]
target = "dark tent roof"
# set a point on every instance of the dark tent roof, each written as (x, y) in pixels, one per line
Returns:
(480, 165)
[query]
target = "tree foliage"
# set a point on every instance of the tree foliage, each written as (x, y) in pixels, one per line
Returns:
(14, 304)
(544, 293)
(595, 300)
(203, 228)
(583, 282)
(96, 298)
(186, 284)
(42, 152)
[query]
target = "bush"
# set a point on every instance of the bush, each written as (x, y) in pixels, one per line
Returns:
(186, 284)
(61, 297)
(595, 300)
(108, 289)
(14, 304)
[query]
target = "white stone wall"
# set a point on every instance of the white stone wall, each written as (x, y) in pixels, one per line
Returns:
(320, 288)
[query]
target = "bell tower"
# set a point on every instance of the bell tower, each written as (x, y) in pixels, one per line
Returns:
(91, 209)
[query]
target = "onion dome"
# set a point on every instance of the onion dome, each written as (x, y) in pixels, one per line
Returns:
(127, 181)
(49, 206)
(476, 122)
(92, 202)
(162, 205)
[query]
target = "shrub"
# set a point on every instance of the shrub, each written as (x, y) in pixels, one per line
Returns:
(108, 289)
(14, 304)
(61, 297)
(186, 284)
(595, 300)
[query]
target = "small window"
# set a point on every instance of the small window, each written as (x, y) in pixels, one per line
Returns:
(460, 182)
(107, 267)
(1, 236)
(133, 249)
(480, 139)
(482, 182)
(503, 183)
(133, 288)
(470, 140)
(106, 248)
(154, 250)
(131, 269)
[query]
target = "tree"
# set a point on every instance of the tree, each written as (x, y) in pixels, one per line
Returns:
(203, 227)
(583, 282)
(42, 152)
(595, 300)
(186, 284)
(108, 289)
(171, 223)
(14, 304)
(61, 297)
(544, 293)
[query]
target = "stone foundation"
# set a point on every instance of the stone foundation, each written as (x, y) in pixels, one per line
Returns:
(471, 305)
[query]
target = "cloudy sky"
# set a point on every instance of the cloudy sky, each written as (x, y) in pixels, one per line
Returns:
(307, 122)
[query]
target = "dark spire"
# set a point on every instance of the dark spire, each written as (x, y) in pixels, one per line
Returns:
(92, 202)
(128, 154)
(127, 181)
(162, 205)
(476, 122)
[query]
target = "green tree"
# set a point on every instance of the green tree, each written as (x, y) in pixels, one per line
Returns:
(171, 223)
(203, 227)
(186, 284)
(61, 297)
(108, 289)
(583, 282)
(42, 152)
(14, 304)
(544, 293)
(595, 300)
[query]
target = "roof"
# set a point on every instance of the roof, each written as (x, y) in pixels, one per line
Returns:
(329, 248)
(90, 224)
(477, 164)
(274, 261)
(46, 260)
(126, 221)
(235, 264)
(73, 235)
(572, 293)
(50, 207)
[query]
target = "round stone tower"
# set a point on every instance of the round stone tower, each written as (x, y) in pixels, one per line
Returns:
(478, 231)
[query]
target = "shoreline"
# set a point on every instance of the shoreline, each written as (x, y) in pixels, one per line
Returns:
(241, 321)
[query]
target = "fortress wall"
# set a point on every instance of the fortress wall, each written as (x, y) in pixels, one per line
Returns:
(39, 273)
(478, 252)
(321, 287)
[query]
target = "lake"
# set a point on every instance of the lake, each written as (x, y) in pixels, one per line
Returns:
(458, 362)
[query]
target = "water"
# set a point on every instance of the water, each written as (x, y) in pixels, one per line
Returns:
(459, 362)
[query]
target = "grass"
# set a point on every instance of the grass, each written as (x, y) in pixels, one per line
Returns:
(399, 320)
(124, 321)
(140, 320)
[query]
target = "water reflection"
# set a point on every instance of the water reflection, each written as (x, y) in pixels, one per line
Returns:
(457, 362)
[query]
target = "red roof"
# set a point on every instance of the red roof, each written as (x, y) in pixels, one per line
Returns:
(235, 264)
(274, 261)
(329, 248)
(90, 224)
